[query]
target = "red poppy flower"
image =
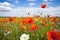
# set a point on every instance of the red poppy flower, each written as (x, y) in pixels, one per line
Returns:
(43, 6)
(4, 21)
(53, 35)
(53, 19)
(28, 20)
(10, 19)
(33, 27)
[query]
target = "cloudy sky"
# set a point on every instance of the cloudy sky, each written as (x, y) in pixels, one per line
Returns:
(22, 7)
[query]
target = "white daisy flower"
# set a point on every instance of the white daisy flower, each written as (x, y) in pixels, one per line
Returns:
(24, 37)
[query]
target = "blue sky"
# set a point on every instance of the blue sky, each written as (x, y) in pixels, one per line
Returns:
(22, 7)
(37, 3)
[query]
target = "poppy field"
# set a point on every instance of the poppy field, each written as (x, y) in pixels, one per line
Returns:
(29, 28)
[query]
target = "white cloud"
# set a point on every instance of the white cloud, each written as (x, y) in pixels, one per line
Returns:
(22, 11)
(5, 3)
(5, 6)
(31, 3)
(52, 11)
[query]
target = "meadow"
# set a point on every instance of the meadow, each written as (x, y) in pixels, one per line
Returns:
(29, 28)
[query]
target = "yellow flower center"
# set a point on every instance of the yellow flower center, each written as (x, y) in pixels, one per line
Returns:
(24, 38)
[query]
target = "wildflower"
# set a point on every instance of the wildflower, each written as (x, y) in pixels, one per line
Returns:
(53, 35)
(53, 24)
(28, 20)
(24, 37)
(43, 6)
(10, 19)
(54, 19)
(24, 27)
(4, 21)
(33, 27)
